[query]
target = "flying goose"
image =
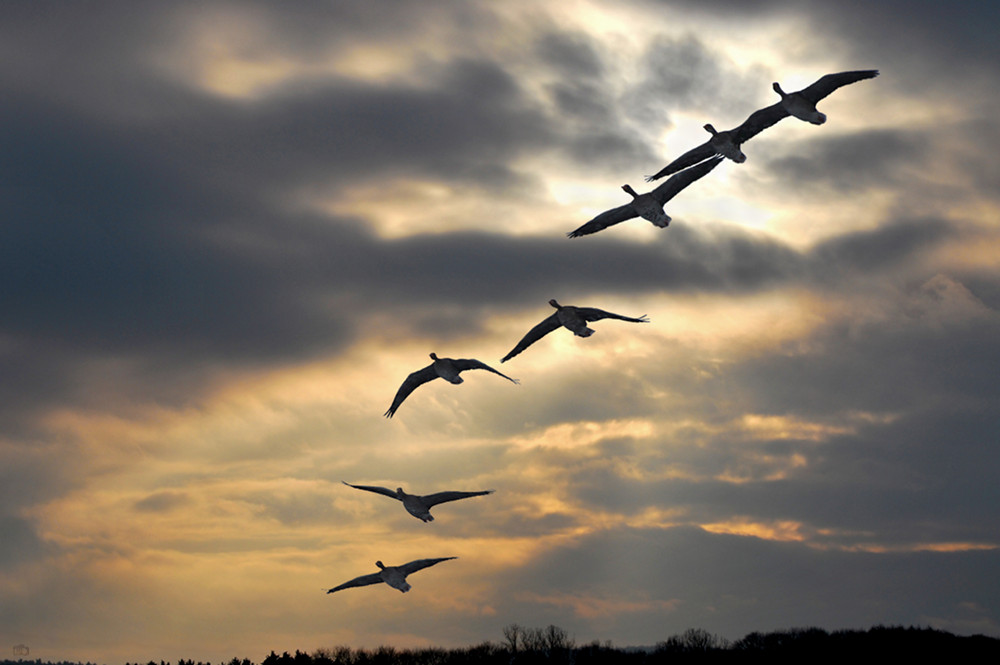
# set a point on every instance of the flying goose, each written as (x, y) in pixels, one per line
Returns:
(444, 368)
(649, 206)
(570, 317)
(801, 104)
(416, 505)
(725, 143)
(394, 576)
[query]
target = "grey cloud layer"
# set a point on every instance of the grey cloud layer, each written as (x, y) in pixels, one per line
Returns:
(763, 582)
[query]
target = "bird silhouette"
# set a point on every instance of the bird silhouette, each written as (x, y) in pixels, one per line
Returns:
(394, 576)
(415, 504)
(802, 103)
(569, 317)
(649, 206)
(442, 368)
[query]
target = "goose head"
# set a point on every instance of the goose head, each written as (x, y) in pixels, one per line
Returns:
(555, 304)
(628, 189)
(710, 129)
(380, 565)
(777, 89)
(434, 356)
(400, 493)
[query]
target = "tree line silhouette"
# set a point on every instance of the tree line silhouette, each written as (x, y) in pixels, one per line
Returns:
(553, 645)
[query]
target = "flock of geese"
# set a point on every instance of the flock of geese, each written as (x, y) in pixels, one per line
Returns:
(689, 167)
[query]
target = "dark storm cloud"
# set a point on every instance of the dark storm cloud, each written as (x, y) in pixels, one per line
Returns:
(926, 363)
(573, 55)
(686, 74)
(921, 353)
(469, 120)
(931, 44)
(917, 480)
(31, 472)
(951, 34)
(884, 248)
(18, 542)
(980, 143)
(733, 585)
(296, 506)
(103, 54)
(919, 46)
(582, 100)
(867, 159)
(726, 7)
(91, 56)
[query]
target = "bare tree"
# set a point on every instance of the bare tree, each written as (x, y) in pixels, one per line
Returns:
(513, 633)
(556, 639)
(693, 640)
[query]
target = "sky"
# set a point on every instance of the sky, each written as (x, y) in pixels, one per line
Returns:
(231, 229)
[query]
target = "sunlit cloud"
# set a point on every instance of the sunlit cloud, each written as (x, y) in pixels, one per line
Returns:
(781, 531)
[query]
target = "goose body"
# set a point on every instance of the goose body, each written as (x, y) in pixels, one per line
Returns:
(649, 206)
(417, 505)
(569, 317)
(394, 576)
(442, 368)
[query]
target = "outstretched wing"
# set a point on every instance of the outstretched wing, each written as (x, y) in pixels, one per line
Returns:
(373, 488)
(445, 497)
(412, 382)
(604, 220)
(827, 84)
(676, 183)
(689, 158)
(471, 363)
(420, 564)
(594, 314)
(364, 580)
(535, 334)
(758, 121)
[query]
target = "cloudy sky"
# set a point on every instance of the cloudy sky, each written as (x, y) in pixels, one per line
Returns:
(230, 230)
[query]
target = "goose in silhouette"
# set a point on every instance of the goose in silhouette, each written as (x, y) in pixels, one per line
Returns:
(443, 368)
(649, 206)
(394, 576)
(725, 143)
(416, 505)
(801, 104)
(570, 317)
